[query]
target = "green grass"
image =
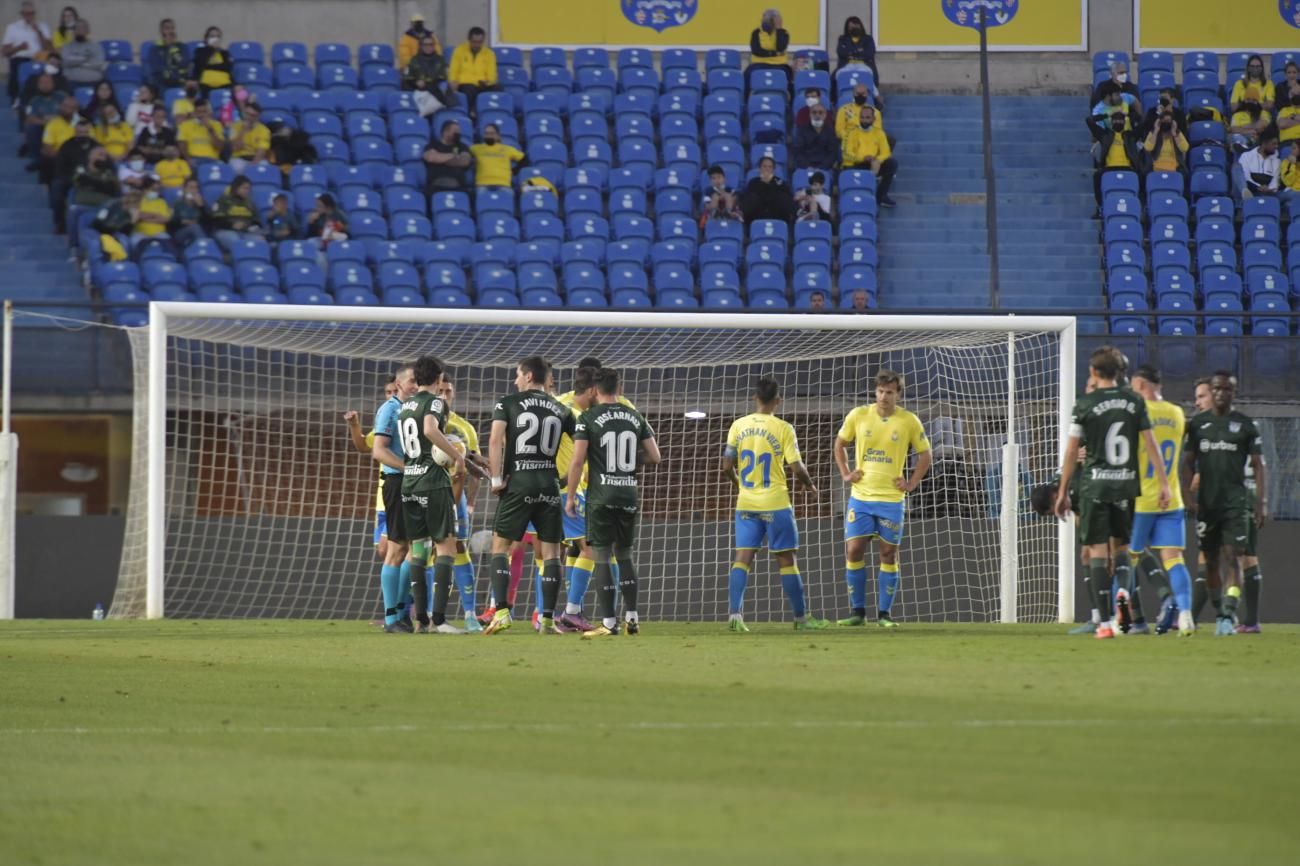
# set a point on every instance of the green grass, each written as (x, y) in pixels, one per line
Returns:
(329, 743)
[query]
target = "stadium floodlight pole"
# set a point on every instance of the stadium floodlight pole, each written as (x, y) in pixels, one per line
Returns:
(8, 473)
(157, 415)
(1065, 528)
(1010, 495)
(990, 182)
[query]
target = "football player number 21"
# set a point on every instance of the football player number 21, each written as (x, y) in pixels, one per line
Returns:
(748, 462)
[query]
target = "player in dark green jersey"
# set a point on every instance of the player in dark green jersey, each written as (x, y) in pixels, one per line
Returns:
(1109, 422)
(612, 441)
(427, 504)
(1219, 444)
(526, 431)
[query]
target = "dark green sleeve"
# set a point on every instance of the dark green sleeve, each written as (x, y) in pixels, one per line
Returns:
(579, 433)
(1256, 443)
(499, 412)
(1144, 417)
(647, 432)
(568, 422)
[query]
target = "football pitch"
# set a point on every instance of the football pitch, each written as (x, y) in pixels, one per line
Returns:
(282, 742)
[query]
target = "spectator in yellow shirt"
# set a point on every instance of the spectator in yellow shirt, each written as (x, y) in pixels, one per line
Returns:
(473, 67)
(250, 140)
(1289, 190)
(151, 218)
(64, 33)
(1288, 117)
(1166, 143)
(767, 47)
(212, 66)
(1249, 119)
(201, 137)
(409, 44)
(1117, 147)
(866, 147)
(172, 171)
(114, 133)
(1255, 78)
(493, 160)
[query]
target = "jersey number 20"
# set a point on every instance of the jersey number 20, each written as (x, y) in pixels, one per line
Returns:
(548, 443)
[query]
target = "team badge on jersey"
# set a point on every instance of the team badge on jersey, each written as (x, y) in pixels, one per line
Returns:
(1234, 426)
(850, 516)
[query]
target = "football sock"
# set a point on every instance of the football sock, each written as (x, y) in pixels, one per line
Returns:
(1101, 585)
(442, 568)
(428, 587)
(736, 584)
(792, 583)
(1124, 578)
(579, 579)
(604, 591)
(413, 575)
(501, 580)
(886, 585)
(1087, 593)
(1254, 582)
(390, 583)
(463, 568)
(1150, 569)
(516, 575)
(1216, 599)
(537, 587)
(1200, 591)
(1230, 601)
(1180, 580)
(856, 574)
(549, 582)
(613, 568)
(627, 584)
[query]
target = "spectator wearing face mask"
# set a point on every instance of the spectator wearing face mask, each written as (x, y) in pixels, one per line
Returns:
(165, 62)
(1166, 106)
(1264, 91)
(134, 170)
(113, 132)
(447, 161)
(1289, 175)
(1116, 147)
(53, 67)
(815, 144)
(1165, 144)
(767, 197)
(1112, 102)
(1288, 117)
(96, 182)
(1249, 119)
(867, 147)
(812, 96)
(1119, 78)
(849, 114)
(1259, 171)
(426, 75)
(856, 48)
(83, 57)
(64, 162)
(152, 217)
(812, 203)
(212, 67)
(188, 215)
(156, 136)
(473, 68)
(141, 109)
(767, 46)
(409, 45)
(493, 160)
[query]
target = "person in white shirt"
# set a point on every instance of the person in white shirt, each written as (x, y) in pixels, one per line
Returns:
(140, 112)
(1258, 171)
(22, 40)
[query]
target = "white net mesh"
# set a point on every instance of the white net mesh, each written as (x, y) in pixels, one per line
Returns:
(270, 510)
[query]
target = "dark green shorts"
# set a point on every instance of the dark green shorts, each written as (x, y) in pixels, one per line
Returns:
(516, 510)
(1099, 522)
(430, 514)
(611, 527)
(1218, 527)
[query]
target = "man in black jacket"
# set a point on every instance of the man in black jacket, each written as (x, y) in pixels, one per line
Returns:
(1117, 145)
(767, 197)
(815, 145)
(70, 157)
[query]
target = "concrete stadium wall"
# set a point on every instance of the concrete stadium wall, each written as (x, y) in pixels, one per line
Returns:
(1110, 26)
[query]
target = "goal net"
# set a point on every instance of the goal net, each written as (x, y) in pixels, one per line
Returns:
(248, 498)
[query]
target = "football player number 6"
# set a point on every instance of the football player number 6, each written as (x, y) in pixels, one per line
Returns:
(1117, 445)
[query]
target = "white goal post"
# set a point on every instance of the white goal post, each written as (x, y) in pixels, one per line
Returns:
(206, 536)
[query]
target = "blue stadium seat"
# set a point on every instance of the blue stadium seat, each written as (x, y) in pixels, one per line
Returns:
(580, 275)
(1265, 255)
(1169, 228)
(376, 53)
(673, 275)
(553, 81)
(1176, 280)
(858, 278)
(411, 227)
(587, 124)
(1263, 229)
(534, 277)
(730, 233)
(861, 179)
(676, 299)
(405, 201)
(356, 202)
(678, 58)
(1217, 228)
(253, 277)
(293, 77)
(680, 251)
(638, 151)
(624, 276)
(682, 81)
(541, 298)
(1130, 326)
(539, 252)
(352, 251)
(1165, 254)
(768, 252)
(771, 80)
(721, 58)
(543, 227)
(508, 55)
(591, 58)
(858, 228)
(1125, 253)
(160, 275)
(674, 201)
(726, 81)
(451, 225)
(251, 250)
(543, 57)
(847, 79)
(677, 228)
(1111, 181)
(514, 80)
(1208, 156)
(1263, 208)
(302, 277)
(1128, 302)
(1208, 182)
(1201, 61)
(251, 75)
(627, 252)
(588, 227)
(633, 226)
(592, 151)
(590, 251)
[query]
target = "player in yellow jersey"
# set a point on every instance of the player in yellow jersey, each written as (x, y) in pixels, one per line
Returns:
(464, 491)
(1163, 531)
(759, 448)
(579, 562)
(881, 435)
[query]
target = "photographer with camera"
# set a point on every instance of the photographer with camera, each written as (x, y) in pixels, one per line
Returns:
(1165, 144)
(719, 199)
(1166, 106)
(812, 202)
(1116, 146)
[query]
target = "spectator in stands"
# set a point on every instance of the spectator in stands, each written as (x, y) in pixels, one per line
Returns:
(114, 220)
(1116, 147)
(183, 106)
(212, 67)
(64, 33)
(767, 47)
(850, 113)
(1111, 97)
(140, 112)
(172, 171)
(57, 129)
(65, 161)
(1259, 170)
(280, 222)
(1119, 78)
(720, 200)
(96, 182)
(156, 137)
(426, 73)
(250, 140)
(817, 302)
(1254, 78)
(102, 96)
(867, 147)
(1289, 189)
(474, 68)
(856, 48)
(409, 44)
(234, 216)
(1167, 105)
(447, 161)
(326, 224)
(166, 66)
(40, 110)
(290, 147)
(53, 66)
(1249, 120)
(83, 57)
(188, 215)
(812, 202)
(1288, 117)
(23, 40)
(494, 160)
(812, 96)
(767, 197)
(201, 137)
(1165, 143)
(113, 132)
(861, 301)
(152, 217)
(134, 170)
(815, 145)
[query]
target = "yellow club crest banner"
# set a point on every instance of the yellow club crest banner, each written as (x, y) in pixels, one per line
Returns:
(928, 25)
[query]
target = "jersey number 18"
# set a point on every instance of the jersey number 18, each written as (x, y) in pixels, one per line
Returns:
(410, 432)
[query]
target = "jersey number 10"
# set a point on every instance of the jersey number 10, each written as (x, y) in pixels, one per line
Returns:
(620, 450)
